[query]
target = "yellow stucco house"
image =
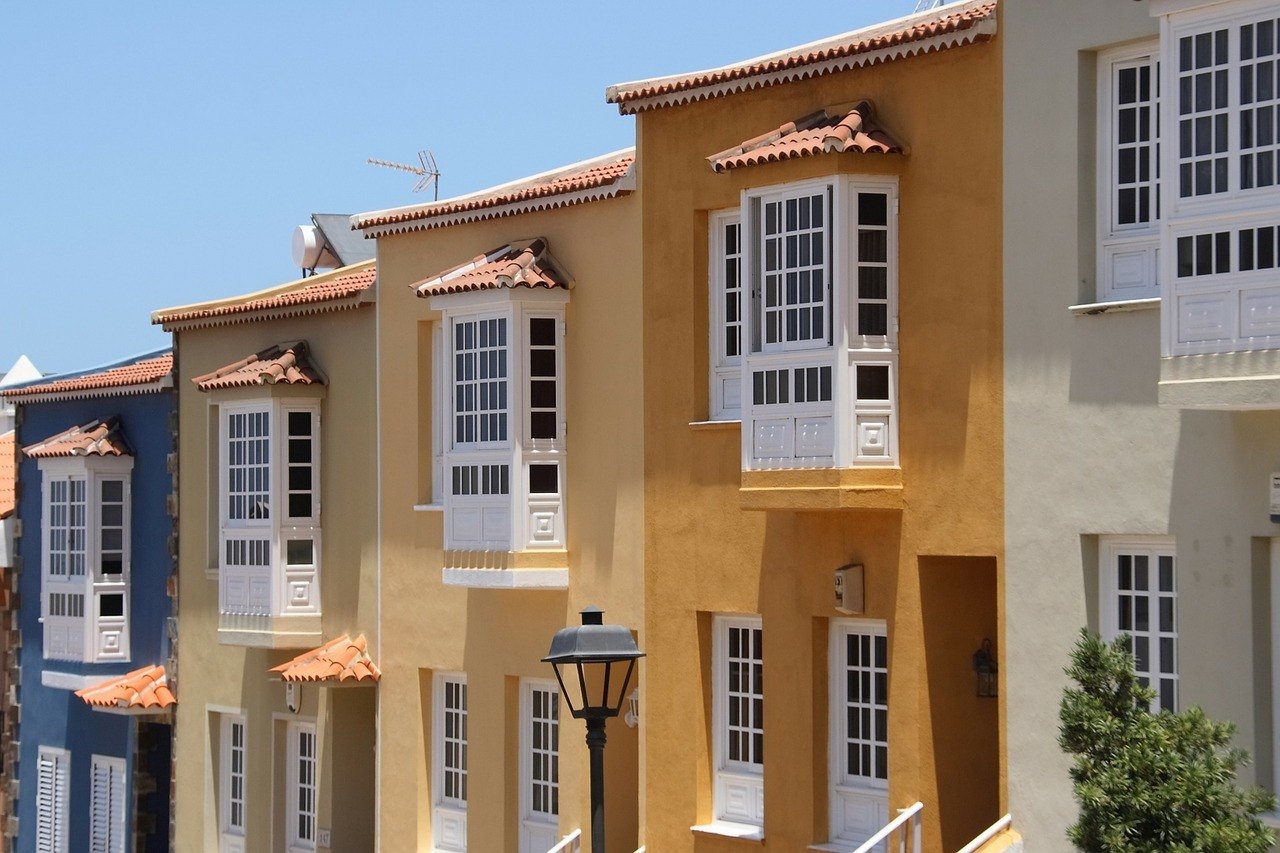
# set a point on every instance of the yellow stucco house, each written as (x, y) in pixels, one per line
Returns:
(510, 435)
(823, 492)
(275, 743)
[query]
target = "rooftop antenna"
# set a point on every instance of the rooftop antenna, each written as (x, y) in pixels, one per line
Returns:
(428, 173)
(926, 5)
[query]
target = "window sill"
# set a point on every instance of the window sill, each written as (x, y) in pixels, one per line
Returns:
(1091, 309)
(727, 829)
(68, 681)
(428, 507)
(803, 489)
(714, 426)
(506, 569)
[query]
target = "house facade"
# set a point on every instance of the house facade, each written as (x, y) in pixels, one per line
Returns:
(276, 566)
(510, 465)
(1141, 401)
(823, 415)
(93, 566)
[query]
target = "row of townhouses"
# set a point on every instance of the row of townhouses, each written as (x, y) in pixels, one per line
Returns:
(911, 351)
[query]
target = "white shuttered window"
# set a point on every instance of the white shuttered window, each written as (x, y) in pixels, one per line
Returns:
(54, 767)
(107, 813)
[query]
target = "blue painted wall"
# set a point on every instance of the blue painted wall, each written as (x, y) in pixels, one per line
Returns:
(55, 717)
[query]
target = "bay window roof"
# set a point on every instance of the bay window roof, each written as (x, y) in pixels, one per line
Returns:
(831, 130)
(281, 364)
(526, 263)
(144, 690)
(96, 438)
(339, 660)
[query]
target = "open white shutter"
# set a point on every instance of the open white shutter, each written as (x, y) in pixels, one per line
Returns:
(51, 801)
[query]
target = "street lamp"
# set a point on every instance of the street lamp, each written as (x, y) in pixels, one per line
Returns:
(588, 661)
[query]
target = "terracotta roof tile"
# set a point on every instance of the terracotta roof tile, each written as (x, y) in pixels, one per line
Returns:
(314, 293)
(286, 364)
(98, 438)
(602, 177)
(938, 29)
(514, 265)
(8, 473)
(818, 133)
(145, 689)
(148, 371)
(343, 659)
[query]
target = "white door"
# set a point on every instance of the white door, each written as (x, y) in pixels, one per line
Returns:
(859, 761)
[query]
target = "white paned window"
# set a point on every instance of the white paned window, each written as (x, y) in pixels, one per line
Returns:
(85, 582)
(301, 786)
(108, 816)
(1128, 172)
(449, 753)
(232, 777)
(726, 286)
(738, 711)
(502, 457)
(817, 341)
(269, 475)
(1139, 598)
(859, 727)
(539, 765)
(53, 774)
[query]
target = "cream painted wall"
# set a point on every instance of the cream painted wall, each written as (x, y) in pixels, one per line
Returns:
(1088, 451)
(233, 677)
(499, 636)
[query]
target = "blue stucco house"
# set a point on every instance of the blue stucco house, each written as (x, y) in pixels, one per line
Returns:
(95, 502)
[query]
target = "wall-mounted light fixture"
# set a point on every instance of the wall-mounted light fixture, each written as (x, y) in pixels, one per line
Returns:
(985, 670)
(632, 717)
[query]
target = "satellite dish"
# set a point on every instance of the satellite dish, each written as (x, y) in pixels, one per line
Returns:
(428, 173)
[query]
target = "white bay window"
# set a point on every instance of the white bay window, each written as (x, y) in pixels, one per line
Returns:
(804, 296)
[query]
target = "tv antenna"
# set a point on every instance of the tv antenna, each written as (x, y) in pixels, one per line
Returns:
(926, 5)
(428, 173)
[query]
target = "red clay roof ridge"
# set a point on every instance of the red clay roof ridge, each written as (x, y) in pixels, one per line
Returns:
(521, 263)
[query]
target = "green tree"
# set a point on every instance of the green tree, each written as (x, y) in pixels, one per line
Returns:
(1151, 782)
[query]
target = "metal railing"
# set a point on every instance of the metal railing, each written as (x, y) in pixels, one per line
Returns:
(987, 834)
(910, 815)
(571, 843)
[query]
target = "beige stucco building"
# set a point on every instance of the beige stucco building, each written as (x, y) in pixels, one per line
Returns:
(510, 458)
(277, 555)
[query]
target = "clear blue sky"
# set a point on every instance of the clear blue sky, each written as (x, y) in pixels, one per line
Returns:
(153, 154)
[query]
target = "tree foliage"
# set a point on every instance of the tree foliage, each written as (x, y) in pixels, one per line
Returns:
(1151, 782)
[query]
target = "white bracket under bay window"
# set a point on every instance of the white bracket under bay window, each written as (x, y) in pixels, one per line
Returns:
(737, 709)
(858, 684)
(503, 423)
(449, 762)
(85, 548)
(539, 765)
(269, 530)
(1139, 597)
(1220, 66)
(1128, 172)
(804, 293)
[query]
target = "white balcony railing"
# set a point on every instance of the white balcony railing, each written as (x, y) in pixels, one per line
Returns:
(903, 827)
(987, 834)
(571, 843)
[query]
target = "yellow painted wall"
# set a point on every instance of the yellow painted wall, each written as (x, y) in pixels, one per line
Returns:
(703, 554)
(233, 677)
(498, 636)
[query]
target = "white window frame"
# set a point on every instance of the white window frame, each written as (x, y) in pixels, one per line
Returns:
(858, 802)
(280, 587)
(300, 786)
(109, 830)
(520, 519)
(53, 799)
(726, 370)
(232, 832)
(738, 795)
(1111, 598)
(90, 636)
(449, 816)
(539, 828)
(1127, 265)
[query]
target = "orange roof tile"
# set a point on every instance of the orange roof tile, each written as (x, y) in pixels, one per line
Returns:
(602, 177)
(145, 689)
(949, 26)
(98, 438)
(286, 364)
(343, 659)
(328, 292)
(818, 133)
(526, 264)
(151, 371)
(8, 473)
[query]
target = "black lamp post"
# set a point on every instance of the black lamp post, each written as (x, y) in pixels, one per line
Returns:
(589, 663)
